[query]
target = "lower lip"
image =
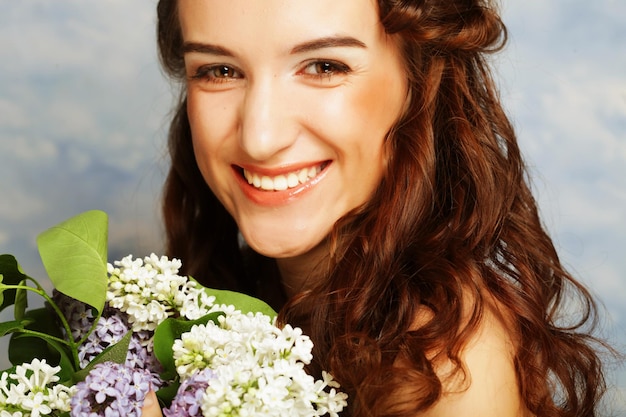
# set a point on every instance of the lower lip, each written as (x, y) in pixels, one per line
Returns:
(277, 198)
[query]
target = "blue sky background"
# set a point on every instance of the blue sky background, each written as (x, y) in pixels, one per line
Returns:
(83, 109)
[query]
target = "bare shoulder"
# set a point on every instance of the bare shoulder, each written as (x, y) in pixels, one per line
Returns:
(491, 387)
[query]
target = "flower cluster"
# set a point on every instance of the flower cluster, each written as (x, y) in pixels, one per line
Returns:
(108, 330)
(112, 389)
(155, 330)
(151, 290)
(235, 364)
(257, 369)
(30, 391)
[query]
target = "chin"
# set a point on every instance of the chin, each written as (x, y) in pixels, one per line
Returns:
(279, 249)
(276, 251)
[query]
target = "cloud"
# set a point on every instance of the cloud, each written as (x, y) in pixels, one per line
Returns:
(82, 116)
(570, 107)
(563, 83)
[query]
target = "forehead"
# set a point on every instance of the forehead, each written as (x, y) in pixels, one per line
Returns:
(289, 21)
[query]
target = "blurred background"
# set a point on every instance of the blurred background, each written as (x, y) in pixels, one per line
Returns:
(84, 113)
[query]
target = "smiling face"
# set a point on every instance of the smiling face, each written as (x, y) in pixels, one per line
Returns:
(289, 103)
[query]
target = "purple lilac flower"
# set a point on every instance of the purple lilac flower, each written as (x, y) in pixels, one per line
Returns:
(78, 315)
(108, 331)
(188, 399)
(140, 355)
(111, 389)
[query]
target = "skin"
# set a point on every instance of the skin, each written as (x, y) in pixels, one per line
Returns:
(491, 388)
(151, 406)
(275, 86)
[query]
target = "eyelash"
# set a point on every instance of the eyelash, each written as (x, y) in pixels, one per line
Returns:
(208, 72)
(222, 73)
(328, 69)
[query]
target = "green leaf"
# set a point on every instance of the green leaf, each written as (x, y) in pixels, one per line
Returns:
(10, 274)
(21, 302)
(11, 327)
(9, 371)
(24, 348)
(165, 335)
(56, 354)
(68, 370)
(74, 254)
(114, 353)
(168, 392)
(242, 302)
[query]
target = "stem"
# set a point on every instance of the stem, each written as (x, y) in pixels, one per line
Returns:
(73, 346)
(45, 336)
(70, 342)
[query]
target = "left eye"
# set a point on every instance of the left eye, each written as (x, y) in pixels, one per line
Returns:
(325, 68)
(223, 71)
(218, 73)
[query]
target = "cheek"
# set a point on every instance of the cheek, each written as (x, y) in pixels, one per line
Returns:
(373, 112)
(209, 122)
(205, 124)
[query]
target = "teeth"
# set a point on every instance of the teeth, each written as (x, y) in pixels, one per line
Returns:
(303, 175)
(281, 182)
(292, 180)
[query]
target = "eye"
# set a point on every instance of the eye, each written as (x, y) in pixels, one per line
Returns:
(325, 69)
(217, 73)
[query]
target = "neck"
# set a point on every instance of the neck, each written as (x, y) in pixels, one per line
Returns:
(300, 272)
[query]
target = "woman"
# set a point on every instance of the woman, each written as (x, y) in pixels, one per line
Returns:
(350, 162)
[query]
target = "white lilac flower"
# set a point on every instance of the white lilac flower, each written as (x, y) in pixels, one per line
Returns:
(36, 403)
(5, 413)
(111, 389)
(30, 391)
(59, 397)
(150, 291)
(257, 369)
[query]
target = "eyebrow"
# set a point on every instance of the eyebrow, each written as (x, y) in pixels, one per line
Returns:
(328, 42)
(206, 48)
(308, 46)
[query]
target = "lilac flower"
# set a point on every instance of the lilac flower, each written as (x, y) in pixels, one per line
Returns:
(32, 391)
(111, 389)
(189, 396)
(108, 331)
(78, 315)
(111, 328)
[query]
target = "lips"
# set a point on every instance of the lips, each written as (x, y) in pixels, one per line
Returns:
(283, 181)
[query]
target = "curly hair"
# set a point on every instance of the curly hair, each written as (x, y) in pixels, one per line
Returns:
(454, 215)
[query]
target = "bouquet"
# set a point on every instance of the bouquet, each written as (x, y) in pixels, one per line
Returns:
(111, 333)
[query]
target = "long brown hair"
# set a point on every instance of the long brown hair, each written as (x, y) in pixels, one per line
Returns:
(453, 216)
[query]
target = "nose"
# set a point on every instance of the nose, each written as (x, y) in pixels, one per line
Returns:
(266, 126)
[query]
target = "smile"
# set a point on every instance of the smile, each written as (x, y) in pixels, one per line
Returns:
(283, 181)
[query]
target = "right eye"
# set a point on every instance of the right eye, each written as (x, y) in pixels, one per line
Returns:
(219, 73)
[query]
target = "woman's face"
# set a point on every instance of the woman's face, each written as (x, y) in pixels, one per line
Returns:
(289, 103)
